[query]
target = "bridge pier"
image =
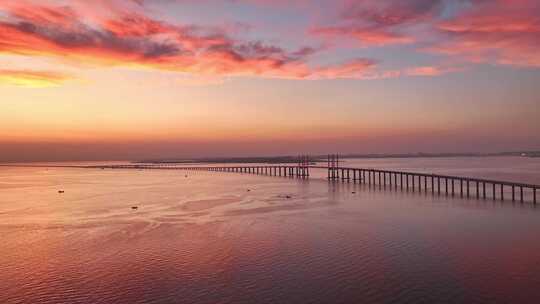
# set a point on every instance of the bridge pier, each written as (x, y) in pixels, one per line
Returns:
(382, 178)
(407, 181)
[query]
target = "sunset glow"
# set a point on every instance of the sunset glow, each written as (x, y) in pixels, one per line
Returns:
(140, 78)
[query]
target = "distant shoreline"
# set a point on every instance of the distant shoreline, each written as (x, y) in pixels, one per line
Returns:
(289, 159)
(323, 158)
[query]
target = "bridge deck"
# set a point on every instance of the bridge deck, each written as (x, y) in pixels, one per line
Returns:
(398, 179)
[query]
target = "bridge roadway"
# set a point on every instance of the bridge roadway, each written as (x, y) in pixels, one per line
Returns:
(410, 181)
(422, 182)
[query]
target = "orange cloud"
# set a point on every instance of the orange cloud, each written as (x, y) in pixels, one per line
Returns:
(132, 39)
(35, 79)
(120, 33)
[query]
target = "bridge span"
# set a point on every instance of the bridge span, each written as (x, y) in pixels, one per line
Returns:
(436, 184)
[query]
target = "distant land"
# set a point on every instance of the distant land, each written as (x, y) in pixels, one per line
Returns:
(322, 158)
(245, 160)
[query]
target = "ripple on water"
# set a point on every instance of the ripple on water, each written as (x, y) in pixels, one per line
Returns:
(207, 240)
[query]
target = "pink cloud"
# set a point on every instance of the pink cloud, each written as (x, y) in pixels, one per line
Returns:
(120, 32)
(357, 68)
(132, 39)
(501, 31)
(365, 36)
(379, 23)
(431, 70)
(505, 32)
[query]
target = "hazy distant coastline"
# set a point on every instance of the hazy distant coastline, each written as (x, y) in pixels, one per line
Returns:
(322, 158)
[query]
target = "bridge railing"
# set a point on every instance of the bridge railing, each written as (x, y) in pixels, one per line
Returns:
(414, 181)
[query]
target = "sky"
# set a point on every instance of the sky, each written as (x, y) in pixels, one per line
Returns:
(137, 79)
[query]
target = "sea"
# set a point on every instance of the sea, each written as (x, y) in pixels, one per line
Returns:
(79, 235)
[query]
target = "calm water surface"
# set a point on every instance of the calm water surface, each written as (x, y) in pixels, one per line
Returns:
(231, 238)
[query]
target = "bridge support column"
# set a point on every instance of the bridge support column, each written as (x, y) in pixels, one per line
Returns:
(369, 177)
(407, 181)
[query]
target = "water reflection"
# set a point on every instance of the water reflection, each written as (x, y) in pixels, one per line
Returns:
(207, 239)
